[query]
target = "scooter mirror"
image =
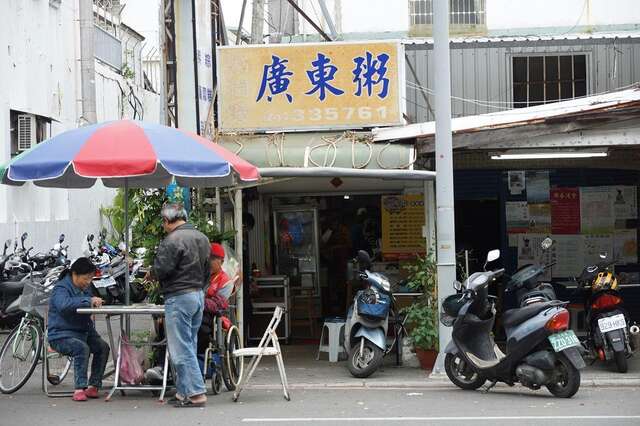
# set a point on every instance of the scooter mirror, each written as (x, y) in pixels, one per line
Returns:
(61, 238)
(457, 285)
(546, 243)
(90, 237)
(493, 255)
(603, 255)
(24, 237)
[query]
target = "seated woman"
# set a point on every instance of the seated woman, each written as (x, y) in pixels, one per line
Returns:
(74, 334)
(216, 299)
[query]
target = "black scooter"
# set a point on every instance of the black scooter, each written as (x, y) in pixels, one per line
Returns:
(541, 351)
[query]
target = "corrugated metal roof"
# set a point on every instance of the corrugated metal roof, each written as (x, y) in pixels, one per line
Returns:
(531, 38)
(604, 103)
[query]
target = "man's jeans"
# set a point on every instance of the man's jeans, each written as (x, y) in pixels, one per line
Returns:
(80, 349)
(183, 315)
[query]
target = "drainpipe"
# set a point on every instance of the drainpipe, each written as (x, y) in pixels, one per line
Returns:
(87, 61)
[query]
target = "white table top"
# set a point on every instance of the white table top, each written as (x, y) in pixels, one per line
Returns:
(135, 309)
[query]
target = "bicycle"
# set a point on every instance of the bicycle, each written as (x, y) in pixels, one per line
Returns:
(25, 346)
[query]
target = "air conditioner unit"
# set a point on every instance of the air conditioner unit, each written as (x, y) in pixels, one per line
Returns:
(26, 132)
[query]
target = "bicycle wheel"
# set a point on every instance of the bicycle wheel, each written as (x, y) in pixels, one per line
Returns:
(232, 366)
(19, 356)
(58, 366)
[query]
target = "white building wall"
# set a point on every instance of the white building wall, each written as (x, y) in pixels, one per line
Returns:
(40, 74)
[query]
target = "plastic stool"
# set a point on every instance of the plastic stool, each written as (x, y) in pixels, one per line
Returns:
(334, 328)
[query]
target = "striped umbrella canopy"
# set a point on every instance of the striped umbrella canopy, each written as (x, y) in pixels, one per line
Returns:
(127, 153)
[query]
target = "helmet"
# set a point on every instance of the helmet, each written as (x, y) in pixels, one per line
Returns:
(604, 281)
(217, 250)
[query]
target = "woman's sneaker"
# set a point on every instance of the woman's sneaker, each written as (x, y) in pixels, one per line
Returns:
(79, 395)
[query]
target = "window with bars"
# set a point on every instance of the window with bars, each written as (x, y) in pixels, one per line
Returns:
(463, 15)
(544, 79)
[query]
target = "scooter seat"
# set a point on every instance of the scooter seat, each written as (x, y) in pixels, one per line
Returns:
(516, 316)
(11, 287)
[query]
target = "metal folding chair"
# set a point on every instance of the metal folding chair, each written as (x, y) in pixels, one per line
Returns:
(269, 346)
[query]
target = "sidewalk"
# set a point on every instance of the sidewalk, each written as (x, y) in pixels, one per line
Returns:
(304, 372)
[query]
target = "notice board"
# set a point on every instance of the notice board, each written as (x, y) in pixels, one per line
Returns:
(403, 218)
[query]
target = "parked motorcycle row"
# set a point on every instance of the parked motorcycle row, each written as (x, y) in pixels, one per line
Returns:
(541, 349)
(109, 282)
(18, 265)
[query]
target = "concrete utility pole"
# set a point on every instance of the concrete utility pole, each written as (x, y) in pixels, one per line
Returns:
(446, 238)
(257, 22)
(87, 61)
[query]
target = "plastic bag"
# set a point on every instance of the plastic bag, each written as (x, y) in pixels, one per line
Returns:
(231, 266)
(130, 364)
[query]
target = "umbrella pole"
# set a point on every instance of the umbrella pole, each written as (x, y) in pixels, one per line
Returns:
(127, 290)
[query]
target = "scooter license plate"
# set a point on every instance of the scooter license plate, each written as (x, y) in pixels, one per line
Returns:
(564, 340)
(612, 323)
(105, 282)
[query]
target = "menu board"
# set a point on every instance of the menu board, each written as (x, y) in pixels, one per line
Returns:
(403, 218)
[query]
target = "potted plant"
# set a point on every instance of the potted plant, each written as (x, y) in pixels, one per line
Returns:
(422, 314)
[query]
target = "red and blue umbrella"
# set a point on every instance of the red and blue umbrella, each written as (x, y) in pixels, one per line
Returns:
(127, 153)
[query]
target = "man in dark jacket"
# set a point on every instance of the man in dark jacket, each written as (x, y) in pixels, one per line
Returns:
(182, 267)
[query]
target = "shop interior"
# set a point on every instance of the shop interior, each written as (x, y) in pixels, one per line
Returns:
(307, 264)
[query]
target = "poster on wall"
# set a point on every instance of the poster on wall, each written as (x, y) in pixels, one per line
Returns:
(565, 211)
(594, 245)
(517, 214)
(537, 187)
(625, 204)
(625, 246)
(516, 182)
(402, 222)
(569, 255)
(596, 210)
(540, 218)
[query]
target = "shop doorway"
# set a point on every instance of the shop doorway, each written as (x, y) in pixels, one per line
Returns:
(477, 230)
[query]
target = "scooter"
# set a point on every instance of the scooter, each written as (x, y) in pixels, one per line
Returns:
(610, 333)
(541, 350)
(57, 256)
(367, 321)
(111, 267)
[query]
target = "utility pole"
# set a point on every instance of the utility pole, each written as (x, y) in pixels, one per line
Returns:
(257, 22)
(446, 237)
(87, 62)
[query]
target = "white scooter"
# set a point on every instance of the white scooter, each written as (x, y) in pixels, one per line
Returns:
(367, 321)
